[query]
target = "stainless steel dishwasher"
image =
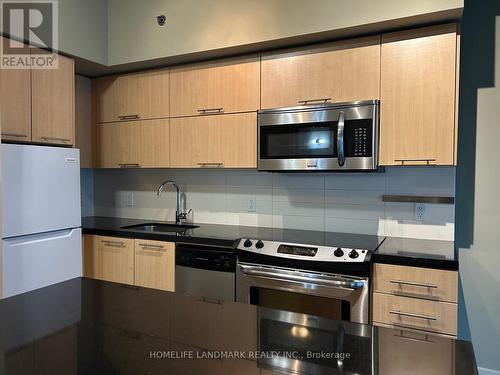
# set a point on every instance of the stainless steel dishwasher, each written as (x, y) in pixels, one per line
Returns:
(204, 271)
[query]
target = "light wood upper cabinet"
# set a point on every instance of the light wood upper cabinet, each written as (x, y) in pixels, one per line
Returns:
(133, 96)
(15, 103)
(230, 85)
(155, 264)
(227, 141)
(418, 77)
(133, 144)
(53, 103)
(116, 260)
(335, 72)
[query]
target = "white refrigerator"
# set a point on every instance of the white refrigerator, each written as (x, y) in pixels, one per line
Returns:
(41, 217)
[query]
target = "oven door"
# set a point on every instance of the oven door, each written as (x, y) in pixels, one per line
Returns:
(323, 294)
(326, 137)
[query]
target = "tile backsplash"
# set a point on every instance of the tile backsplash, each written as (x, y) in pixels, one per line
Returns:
(334, 202)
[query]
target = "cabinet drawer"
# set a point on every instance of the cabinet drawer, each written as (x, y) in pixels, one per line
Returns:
(424, 354)
(416, 282)
(415, 313)
(155, 264)
(116, 260)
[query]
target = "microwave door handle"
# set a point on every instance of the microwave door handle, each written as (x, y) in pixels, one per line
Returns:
(340, 139)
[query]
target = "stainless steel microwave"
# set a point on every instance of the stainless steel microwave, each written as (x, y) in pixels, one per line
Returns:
(333, 136)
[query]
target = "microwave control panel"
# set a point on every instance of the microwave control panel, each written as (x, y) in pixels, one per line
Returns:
(361, 142)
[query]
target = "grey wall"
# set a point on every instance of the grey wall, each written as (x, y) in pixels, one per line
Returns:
(478, 182)
(118, 32)
(202, 25)
(83, 26)
(83, 29)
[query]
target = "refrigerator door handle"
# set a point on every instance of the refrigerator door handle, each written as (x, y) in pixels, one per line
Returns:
(33, 238)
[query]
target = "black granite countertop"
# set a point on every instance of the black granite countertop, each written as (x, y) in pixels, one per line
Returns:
(392, 250)
(417, 253)
(91, 327)
(227, 235)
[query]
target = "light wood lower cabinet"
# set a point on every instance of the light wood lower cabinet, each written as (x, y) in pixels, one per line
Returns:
(130, 261)
(53, 103)
(416, 298)
(90, 255)
(417, 108)
(116, 260)
(134, 144)
(403, 352)
(220, 141)
(153, 261)
(416, 282)
(415, 313)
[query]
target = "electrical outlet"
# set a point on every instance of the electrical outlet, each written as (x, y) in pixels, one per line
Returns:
(130, 199)
(419, 211)
(252, 204)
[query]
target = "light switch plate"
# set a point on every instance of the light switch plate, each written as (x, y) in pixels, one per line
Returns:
(252, 204)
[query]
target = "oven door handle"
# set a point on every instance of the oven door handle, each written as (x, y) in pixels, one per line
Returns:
(340, 139)
(303, 277)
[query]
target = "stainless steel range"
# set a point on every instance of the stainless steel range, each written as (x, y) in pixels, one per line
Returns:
(329, 281)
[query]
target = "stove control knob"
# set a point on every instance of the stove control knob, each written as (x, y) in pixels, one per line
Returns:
(247, 243)
(259, 244)
(353, 254)
(339, 252)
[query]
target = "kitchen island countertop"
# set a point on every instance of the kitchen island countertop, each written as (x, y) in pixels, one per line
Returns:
(90, 327)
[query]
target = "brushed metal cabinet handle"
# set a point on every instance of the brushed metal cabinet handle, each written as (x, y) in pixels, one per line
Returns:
(412, 283)
(424, 340)
(412, 315)
(214, 301)
(403, 161)
(129, 117)
(56, 139)
(15, 135)
(314, 101)
(113, 243)
(151, 246)
(211, 165)
(207, 111)
(131, 165)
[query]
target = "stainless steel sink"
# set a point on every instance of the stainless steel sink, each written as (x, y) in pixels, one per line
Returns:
(159, 227)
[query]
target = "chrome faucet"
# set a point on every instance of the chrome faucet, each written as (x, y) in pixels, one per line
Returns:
(179, 215)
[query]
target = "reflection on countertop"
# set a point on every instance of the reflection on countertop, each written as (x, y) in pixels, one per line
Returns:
(108, 328)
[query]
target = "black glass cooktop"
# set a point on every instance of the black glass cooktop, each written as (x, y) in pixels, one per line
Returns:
(88, 327)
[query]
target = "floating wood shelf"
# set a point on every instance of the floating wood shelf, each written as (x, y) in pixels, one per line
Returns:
(418, 199)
